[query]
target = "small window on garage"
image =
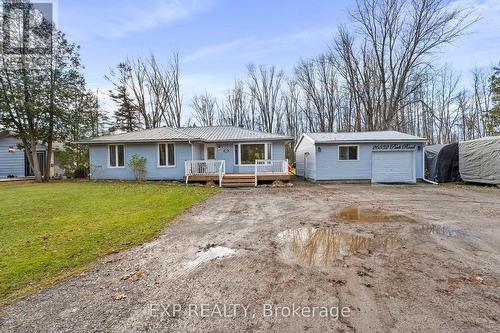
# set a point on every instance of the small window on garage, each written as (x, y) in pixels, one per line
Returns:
(348, 153)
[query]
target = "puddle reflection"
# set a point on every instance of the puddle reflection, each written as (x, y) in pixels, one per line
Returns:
(322, 247)
(367, 215)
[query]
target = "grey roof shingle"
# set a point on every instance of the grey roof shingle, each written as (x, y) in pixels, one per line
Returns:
(204, 134)
(374, 136)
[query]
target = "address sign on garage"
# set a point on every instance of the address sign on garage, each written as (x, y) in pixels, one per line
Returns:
(394, 146)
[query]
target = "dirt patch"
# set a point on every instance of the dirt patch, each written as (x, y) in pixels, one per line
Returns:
(212, 253)
(438, 273)
(444, 230)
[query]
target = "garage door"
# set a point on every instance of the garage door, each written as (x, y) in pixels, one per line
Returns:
(393, 167)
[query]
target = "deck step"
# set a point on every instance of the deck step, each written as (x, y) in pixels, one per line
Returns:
(237, 176)
(224, 184)
(238, 180)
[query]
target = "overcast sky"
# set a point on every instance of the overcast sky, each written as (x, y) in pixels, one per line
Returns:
(216, 39)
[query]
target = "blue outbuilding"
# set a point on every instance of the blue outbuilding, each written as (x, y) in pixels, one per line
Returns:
(379, 157)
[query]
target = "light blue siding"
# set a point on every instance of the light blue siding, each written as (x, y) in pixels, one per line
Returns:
(325, 165)
(183, 152)
(419, 161)
(100, 169)
(328, 165)
(11, 163)
(198, 151)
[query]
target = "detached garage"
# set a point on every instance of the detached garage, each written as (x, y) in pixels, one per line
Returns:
(379, 157)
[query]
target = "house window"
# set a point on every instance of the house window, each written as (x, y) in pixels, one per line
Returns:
(236, 154)
(251, 152)
(166, 154)
(348, 153)
(116, 156)
(210, 153)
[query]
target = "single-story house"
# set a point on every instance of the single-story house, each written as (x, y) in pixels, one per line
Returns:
(14, 162)
(226, 154)
(379, 157)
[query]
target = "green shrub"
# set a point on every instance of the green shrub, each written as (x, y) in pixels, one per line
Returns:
(81, 172)
(138, 165)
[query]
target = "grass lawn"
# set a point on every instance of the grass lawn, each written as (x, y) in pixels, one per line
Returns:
(50, 231)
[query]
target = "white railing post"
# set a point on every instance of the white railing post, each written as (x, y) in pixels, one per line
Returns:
(204, 167)
(222, 171)
(256, 162)
(271, 167)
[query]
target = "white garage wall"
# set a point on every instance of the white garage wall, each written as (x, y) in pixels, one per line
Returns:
(306, 146)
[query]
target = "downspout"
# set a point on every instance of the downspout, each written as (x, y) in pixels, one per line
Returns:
(423, 169)
(192, 152)
(192, 158)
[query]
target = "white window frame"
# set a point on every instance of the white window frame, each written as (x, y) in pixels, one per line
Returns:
(116, 152)
(266, 145)
(206, 151)
(166, 155)
(357, 153)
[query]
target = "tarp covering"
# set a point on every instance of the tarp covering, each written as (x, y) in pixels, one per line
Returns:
(480, 160)
(442, 162)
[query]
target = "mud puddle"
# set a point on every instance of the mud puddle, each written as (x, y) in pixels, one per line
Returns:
(211, 253)
(323, 247)
(360, 215)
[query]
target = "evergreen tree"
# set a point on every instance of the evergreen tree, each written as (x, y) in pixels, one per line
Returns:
(126, 115)
(493, 117)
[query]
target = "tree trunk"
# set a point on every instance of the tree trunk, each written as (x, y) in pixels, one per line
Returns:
(34, 161)
(48, 161)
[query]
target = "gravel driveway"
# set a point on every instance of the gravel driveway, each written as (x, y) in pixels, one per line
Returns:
(312, 257)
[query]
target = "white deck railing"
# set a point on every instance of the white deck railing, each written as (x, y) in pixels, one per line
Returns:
(205, 168)
(270, 167)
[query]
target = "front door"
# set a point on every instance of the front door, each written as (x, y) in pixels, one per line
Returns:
(209, 152)
(28, 170)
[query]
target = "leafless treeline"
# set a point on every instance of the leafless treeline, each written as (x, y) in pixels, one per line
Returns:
(376, 77)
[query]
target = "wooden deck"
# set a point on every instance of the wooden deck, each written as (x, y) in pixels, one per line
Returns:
(239, 179)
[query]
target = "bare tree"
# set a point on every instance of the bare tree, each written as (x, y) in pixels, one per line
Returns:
(265, 84)
(318, 80)
(233, 110)
(204, 107)
(291, 105)
(396, 37)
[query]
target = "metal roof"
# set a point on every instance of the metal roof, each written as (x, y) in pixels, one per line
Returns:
(352, 137)
(363, 136)
(204, 134)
